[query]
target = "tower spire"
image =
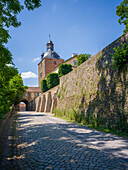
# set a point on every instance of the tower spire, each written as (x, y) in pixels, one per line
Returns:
(49, 37)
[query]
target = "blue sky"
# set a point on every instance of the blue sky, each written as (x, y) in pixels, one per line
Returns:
(76, 26)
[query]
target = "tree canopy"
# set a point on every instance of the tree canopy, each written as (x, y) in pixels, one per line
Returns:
(64, 69)
(44, 87)
(82, 58)
(52, 80)
(122, 12)
(11, 83)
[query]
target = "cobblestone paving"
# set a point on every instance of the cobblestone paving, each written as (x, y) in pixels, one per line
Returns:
(46, 142)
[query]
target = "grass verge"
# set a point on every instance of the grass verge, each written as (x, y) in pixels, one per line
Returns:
(101, 129)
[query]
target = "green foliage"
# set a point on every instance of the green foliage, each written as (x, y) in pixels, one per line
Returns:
(11, 84)
(59, 94)
(120, 56)
(44, 87)
(72, 114)
(11, 90)
(52, 80)
(16, 89)
(64, 69)
(82, 58)
(122, 12)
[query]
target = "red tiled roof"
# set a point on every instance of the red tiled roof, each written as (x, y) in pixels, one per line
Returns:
(33, 89)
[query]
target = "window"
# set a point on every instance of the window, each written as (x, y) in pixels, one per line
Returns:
(27, 94)
(54, 62)
(40, 75)
(75, 63)
(36, 94)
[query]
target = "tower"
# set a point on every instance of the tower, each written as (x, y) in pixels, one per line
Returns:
(49, 60)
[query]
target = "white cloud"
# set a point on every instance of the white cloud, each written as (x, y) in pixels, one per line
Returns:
(36, 59)
(27, 75)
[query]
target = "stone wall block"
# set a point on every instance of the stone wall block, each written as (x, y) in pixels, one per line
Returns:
(48, 102)
(42, 103)
(54, 104)
(54, 101)
(38, 104)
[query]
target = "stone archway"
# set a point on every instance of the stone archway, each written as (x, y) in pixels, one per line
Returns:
(26, 102)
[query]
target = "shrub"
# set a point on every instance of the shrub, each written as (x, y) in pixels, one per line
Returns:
(82, 58)
(44, 87)
(120, 56)
(64, 69)
(52, 80)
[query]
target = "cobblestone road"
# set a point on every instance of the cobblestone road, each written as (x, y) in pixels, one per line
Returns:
(46, 142)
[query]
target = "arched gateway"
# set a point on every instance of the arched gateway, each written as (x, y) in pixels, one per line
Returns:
(29, 98)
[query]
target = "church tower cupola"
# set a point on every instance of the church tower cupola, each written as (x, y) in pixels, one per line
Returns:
(50, 53)
(50, 46)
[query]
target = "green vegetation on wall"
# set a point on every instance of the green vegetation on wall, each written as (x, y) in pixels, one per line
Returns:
(120, 56)
(82, 58)
(52, 80)
(64, 69)
(44, 87)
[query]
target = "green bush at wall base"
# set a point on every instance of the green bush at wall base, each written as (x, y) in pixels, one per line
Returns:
(44, 87)
(52, 80)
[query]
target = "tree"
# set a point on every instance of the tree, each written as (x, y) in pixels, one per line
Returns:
(11, 84)
(44, 87)
(16, 89)
(82, 58)
(64, 69)
(9, 9)
(122, 12)
(52, 80)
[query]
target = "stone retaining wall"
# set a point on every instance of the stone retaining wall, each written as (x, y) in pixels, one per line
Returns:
(95, 88)
(47, 101)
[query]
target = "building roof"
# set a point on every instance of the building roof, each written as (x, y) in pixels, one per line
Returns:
(64, 62)
(50, 53)
(34, 89)
(71, 58)
(49, 42)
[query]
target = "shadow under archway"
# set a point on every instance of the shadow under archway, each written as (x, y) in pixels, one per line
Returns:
(26, 102)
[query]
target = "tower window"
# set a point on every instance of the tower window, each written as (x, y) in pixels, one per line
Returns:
(40, 74)
(54, 62)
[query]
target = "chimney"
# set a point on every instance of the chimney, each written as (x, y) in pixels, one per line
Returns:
(74, 54)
